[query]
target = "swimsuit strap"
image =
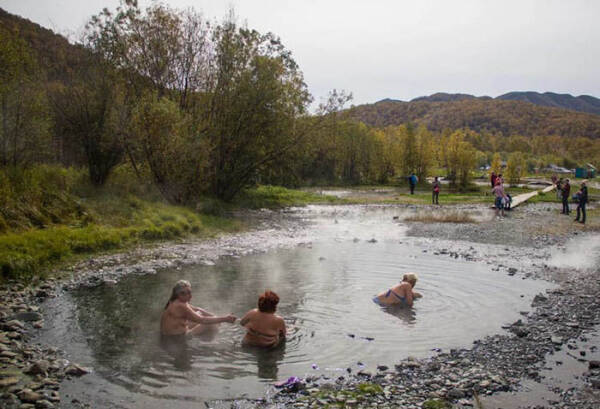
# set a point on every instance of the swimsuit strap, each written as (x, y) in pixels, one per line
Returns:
(391, 292)
(260, 334)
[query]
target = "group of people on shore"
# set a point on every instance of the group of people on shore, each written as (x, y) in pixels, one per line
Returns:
(181, 320)
(563, 192)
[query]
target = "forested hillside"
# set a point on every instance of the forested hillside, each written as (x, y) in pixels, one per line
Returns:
(56, 56)
(582, 103)
(491, 115)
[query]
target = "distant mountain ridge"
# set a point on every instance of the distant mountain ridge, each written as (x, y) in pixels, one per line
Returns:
(582, 103)
(498, 116)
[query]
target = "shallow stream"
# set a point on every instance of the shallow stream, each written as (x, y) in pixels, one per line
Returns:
(326, 285)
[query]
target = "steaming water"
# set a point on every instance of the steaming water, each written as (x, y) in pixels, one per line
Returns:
(580, 253)
(326, 289)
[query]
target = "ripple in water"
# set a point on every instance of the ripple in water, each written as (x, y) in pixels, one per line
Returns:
(326, 291)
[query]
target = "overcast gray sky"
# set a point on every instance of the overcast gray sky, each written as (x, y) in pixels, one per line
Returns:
(403, 49)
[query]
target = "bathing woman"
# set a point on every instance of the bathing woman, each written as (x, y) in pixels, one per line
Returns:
(181, 319)
(400, 294)
(264, 327)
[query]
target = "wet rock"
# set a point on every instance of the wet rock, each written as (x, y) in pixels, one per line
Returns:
(28, 316)
(520, 332)
(29, 396)
(76, 370)
(14, 325)
(456, 393)
(593, 364)
(4, 382)
(38, 368)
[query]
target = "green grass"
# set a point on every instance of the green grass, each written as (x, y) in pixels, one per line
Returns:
(24, 255)
(51, 215)
(273, 197)
(340, 398)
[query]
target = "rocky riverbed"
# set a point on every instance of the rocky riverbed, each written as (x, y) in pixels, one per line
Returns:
(524, 244)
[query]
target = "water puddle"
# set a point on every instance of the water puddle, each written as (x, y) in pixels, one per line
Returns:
(325, 285)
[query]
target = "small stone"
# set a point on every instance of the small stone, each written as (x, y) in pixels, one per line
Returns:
(456, 393)
(15, 324)
(44, 404)
(8, 381)
(29, 396)
(76, 370)
(38, 367)
(28, 316)
(594, 364)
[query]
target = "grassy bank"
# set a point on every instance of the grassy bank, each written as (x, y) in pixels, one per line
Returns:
(52, 215)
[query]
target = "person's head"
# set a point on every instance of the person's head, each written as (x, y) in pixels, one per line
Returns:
(567, 181)
(436, 179)
(584, 182)
(498, 181)
(410, 278)
(181, 291)
(493, 173)
(267, 302)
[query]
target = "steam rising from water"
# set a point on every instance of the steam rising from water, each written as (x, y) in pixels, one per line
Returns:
(580, 253)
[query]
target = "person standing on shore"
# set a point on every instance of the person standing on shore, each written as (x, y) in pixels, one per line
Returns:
(412, 182)
(435, 195)
(565, 191)
(559, 186)
(583, 198)
(493, 178)
(500, 195)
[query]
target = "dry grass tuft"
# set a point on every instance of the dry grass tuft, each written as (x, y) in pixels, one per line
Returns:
(442, 217)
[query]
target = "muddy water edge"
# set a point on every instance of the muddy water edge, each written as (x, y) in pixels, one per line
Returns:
(562, 323)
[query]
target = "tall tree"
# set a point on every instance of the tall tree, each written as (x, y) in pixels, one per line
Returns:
(24, 118)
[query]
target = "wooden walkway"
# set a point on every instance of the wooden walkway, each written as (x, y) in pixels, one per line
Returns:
(522, 198)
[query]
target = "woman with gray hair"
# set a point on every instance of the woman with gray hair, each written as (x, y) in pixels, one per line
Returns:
(181, 319)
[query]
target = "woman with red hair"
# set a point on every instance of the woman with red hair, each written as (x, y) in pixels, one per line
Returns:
(264, 327)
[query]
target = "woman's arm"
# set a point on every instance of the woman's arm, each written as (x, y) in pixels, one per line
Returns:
(193, 316)
(408, 294)
(246, 318)
(282, 329)
(201, 311)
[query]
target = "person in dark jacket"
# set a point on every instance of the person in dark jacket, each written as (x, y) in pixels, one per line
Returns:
(412, 181)
(566, 191)
(435, 195)
(493, 178)
(583, 198)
